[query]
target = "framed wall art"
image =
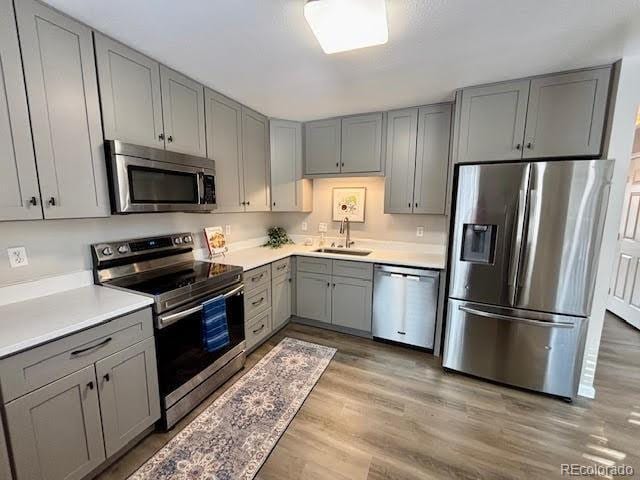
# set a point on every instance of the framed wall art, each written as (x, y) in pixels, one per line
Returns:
(349, 203)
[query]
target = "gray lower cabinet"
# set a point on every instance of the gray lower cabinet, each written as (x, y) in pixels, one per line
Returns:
(566, 114)
(5, 465)
(255, 161)
(19, 195)
(313, 291)
(129, 93)
(289, 191)
(62, 87)
(351, 303)
(224, 145)
(128, 388)
(281, 300)
(56, 431)
(322, 146)
(361, 144)
(183, 113)
(492, 121)
(417, 164)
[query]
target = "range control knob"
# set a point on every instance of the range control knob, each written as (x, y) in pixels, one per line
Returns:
(187, 239)
(123, 249)
(177, 240)
(107, 251)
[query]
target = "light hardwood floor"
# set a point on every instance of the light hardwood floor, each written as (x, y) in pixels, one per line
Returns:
(385, 412)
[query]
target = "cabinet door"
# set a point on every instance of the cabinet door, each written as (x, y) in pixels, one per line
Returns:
(5, 466)
(129, 94)
(129, 398)
(351, 303)
(281, 300)
(286, 165)
(362, 144)
(55, 432)
(402, 126)
(224, 147)
(313, 299)
(17, 163)
(492, 122)
(432, 159)
(183, 113)
(322, 146)
(255, 161)
(566, 114)
(62, 88)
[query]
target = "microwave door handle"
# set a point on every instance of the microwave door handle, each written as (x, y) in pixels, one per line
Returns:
(201, 188)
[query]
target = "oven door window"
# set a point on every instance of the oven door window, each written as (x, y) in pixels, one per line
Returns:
(153, 185)
(181, 355)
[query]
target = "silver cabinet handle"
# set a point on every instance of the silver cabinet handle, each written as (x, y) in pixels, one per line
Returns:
(258, 302)
(256, 331)
(528, 321)
(93, 347)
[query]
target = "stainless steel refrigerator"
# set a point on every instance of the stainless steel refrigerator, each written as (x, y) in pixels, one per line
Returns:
(525, 248)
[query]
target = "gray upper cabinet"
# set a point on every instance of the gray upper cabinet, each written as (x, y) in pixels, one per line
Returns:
(566, 114)
(224, 146)
(5, 466)
(289, 191)
(432, 159)
(351, 303)
(183, 113)
(492, 122)
(62, 88)
(19, 195)
(402, 126)
(361, 144)
(129, 398)
(255, 161)
(322, 146)
(417, 165)
(55, 431)
(129, 93)
(313, 296)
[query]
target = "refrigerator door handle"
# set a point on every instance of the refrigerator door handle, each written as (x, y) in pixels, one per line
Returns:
(519, 238)
(528, 321)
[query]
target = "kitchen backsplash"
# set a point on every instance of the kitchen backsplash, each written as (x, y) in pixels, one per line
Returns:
(57, 247)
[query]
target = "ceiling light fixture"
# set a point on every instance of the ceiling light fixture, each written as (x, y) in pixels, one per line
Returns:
(341, 25)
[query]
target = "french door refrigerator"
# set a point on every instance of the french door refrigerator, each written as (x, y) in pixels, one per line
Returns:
(525, 248)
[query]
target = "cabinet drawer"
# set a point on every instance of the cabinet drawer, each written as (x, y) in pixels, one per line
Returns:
(256, 278)
(257, 302)
(25, 372)
(345, 268)
(314, 265)
(281, 266)
(258, 329)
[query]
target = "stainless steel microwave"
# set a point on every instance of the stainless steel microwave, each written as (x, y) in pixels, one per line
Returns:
(144, 180)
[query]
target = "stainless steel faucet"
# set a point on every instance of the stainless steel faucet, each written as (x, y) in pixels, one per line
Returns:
(344, 228)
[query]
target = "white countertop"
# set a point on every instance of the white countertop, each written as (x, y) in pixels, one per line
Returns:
(257, 256)
(30, 323)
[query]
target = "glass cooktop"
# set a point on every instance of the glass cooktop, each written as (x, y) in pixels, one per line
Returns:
(165, 280)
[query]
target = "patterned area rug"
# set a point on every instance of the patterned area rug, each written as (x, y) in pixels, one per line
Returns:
(232, 438)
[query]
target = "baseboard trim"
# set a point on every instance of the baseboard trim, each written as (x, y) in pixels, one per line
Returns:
(329, 326)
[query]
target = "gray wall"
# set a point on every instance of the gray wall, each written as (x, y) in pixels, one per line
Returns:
(377, 226)
(62, 246)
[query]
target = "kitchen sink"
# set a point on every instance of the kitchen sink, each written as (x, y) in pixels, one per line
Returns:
(344, 251)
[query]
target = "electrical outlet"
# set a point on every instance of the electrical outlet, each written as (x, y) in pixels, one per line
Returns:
(18, 257)
(305, 227)
(322, 227)
(227, 229)
(420, 232)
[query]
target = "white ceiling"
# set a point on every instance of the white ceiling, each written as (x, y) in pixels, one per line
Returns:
(263, 54)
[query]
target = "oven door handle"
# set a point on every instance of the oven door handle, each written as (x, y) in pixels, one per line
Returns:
(166, 320)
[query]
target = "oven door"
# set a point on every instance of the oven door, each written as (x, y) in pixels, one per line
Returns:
(143, 185)
(183, 363)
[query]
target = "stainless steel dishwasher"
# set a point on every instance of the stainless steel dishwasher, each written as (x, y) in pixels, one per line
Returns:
(405, 304)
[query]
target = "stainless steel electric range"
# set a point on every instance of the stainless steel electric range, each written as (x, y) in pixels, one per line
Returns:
(165, 269)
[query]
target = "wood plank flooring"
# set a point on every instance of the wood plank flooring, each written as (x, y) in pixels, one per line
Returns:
(386, 412)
